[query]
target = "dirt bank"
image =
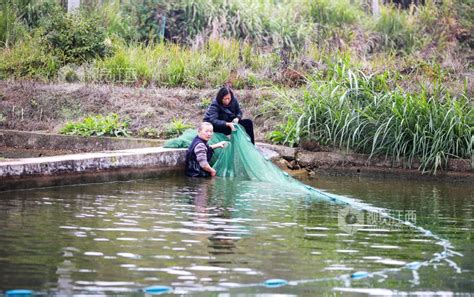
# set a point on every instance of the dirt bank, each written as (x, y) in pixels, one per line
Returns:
(35, 106)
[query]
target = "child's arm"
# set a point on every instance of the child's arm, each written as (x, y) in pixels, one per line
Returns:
(201, 156)
(209, 169)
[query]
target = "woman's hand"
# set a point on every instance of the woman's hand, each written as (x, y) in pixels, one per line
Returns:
(213, 172)
(230, 125)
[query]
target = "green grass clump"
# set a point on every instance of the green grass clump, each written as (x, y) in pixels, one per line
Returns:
(396, 29)
(338, 12)
(176, 128)
(99, 125)
(11, 28)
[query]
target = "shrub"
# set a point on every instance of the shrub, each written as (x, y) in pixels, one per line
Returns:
(99, 125)
(75, 37)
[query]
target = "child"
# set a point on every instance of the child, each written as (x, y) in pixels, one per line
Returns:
(200, 153)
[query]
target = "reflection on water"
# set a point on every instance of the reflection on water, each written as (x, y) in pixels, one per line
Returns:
(228, 235)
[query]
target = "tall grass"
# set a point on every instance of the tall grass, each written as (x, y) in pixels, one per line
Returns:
(173, 65)
(26, 59)
(363, 113)
(338, 12)
(17, 16)
(250, 42)
(11, 27)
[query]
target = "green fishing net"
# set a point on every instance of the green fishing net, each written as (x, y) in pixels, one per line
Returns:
(239, 158)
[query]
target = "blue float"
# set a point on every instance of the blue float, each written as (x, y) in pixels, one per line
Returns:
(275, 283)
(414, 265)
(19, 292)
(359, 275)
(157, 290)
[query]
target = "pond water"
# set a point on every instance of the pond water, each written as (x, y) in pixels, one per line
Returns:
(223, 236)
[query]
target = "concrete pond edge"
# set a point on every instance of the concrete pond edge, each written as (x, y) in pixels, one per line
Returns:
(123, 164)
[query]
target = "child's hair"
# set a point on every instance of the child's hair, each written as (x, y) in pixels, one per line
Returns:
(204, 124)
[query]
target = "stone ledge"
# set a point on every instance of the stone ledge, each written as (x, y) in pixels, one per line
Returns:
(92, 162)
(330, 159)
(73, 144)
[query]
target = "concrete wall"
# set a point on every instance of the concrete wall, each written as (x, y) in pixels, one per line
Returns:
(73, 144)
(14, 174)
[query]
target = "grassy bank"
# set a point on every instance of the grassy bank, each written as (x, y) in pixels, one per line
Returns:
(363, 113)
(397, 83)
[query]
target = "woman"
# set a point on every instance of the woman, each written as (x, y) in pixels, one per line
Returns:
(225, 112)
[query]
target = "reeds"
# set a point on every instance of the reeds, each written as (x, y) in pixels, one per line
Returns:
(363, 113)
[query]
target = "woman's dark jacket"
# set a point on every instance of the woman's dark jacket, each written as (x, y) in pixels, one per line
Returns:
(218, 115)
(192, 167)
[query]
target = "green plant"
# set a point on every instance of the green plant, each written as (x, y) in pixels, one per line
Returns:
(114, 16)
(176, 128)
(99, 125)
(205, 102)
(149, 19)
(17, 16)
(285, 134)
(75, 37)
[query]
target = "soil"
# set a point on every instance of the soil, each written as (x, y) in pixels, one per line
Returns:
(36, 106)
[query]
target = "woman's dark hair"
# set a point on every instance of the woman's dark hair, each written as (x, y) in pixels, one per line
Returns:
(223, 92)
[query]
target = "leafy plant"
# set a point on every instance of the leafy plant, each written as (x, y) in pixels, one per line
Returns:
(98, 125)
(176, 128)
(285, 134)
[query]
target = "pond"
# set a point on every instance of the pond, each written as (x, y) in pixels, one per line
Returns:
(227, 236)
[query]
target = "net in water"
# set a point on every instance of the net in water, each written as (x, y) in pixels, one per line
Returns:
(241, 159)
